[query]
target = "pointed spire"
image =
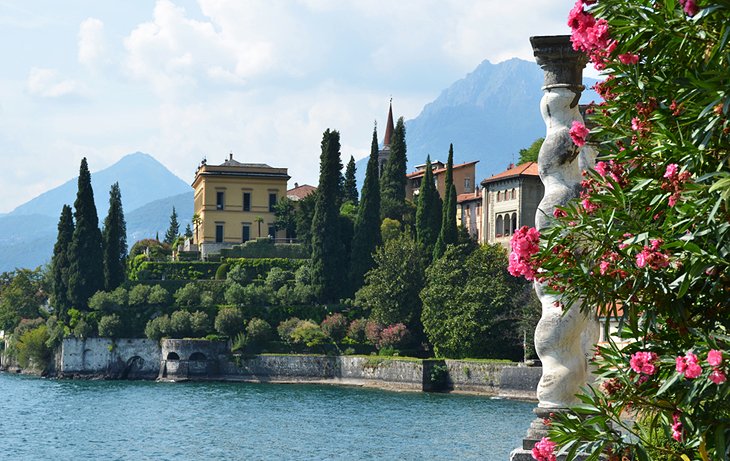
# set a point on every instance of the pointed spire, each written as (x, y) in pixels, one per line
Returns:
(389, 126)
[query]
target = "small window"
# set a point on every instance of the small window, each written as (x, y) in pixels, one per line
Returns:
(272, 232)
(499, 196)
(220, 200)
(247, 201)
(246, 234)
(272, 202)
(219, 233)
(467, 185)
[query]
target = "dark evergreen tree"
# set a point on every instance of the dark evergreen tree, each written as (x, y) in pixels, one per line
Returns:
(393, 179)
(327, 249)
(449, 233)
(174, 230)
(60, 264)
(367, 224)
(85, 274)
(188, 231)
(350, 184)
(428, 211)
(114, 239)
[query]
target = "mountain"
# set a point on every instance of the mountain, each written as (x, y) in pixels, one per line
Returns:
(149, 191)
(141, 179)
(489, 115)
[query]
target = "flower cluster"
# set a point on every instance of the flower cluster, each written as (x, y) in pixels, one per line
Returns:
(652, 256)
(674, 182)
(714, 359)
(644, 362)
(544, 450)
(524, 244)
(676, 427)
(690, 7)
(613, 170)
(578, 133)
(590, 35)
(688, 366)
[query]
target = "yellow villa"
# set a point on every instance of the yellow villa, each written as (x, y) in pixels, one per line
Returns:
(234, 202)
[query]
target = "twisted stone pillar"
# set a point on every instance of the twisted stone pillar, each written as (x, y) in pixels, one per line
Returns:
(562, 338)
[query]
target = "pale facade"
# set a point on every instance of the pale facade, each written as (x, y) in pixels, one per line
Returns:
(509, 201)
(469, 213)
(234, 202)
(464, 176)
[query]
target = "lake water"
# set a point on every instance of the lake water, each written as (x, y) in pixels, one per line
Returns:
(124, 420)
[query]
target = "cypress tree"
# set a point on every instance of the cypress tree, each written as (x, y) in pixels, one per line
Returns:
(393, 180)
(327, 249)
(350, 184)
(114, 239)
(449, 233)
(174, 230)
(428, 211)
(85, 274)
(188, 231)
(60, 264)
(367, 224)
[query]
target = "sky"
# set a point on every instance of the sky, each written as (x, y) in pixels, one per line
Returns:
(184, 80)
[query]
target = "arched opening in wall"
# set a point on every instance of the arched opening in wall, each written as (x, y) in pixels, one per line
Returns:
(499, 227)
(173, 356)
(508, 225)
(197, 357)
(514, 222)
(499, 196)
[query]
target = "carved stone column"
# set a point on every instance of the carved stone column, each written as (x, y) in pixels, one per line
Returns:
(561, 338)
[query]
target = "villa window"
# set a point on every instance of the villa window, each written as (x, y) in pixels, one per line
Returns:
(272, 231)
(499, 196)
(467, 185)
(247, 201)
(272, 202)
(219, 233)
(220, 200)
(246, 233)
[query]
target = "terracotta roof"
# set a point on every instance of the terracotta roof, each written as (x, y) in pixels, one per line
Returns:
(418, 174)
(469, 197)
(300, 192)
(526, 169)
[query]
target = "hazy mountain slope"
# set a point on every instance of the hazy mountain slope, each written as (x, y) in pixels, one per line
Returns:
(154, 217)
(141, 178)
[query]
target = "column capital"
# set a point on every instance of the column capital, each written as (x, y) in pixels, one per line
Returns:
(562, 64)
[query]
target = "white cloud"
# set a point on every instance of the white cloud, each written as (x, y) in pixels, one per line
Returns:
(46, 83)
(92, 43)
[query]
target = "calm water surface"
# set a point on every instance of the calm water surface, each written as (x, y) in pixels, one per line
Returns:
(121, 420)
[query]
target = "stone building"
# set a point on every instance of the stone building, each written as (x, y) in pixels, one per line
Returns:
(469, 213)
(464, 175)
(234, 202)
(509, 201)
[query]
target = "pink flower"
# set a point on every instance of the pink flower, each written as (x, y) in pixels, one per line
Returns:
(717, 376)
(688, 365)
(604, 266)
(643, 362)
(579, 133)
(628, 58)
(524, 243)
(714, 357)
(589, 206)
(676, 427)
(544, 450)
(601, 168)
(641, 260)
(690, 7)
(558, 213)
(671, 171)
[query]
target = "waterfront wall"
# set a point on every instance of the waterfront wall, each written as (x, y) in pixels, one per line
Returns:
(108, 358)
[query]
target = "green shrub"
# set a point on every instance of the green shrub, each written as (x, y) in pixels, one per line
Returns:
(158, 328)
(83, 329)
(199, 324)
(245, 271)
(158, 296)
(32, 349)
(309, 334)
(278, 277)
(258, 331)
(180, 324)
(106, 303)
(356, 330)
(229, 321)
(286, 328)
(139, 294)
(222, 271)
(110, 326)
(187, 296)
(183, 270)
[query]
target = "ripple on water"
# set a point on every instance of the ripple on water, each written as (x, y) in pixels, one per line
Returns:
(122, 420)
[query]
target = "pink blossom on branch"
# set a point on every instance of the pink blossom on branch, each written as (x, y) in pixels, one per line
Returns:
(717, 376)
(524, 243)
(714, 357)
(676, 427)
(628, 58)
(579, 133)
(688, 365)
(544, 450)
(643, 362)
(690, 7)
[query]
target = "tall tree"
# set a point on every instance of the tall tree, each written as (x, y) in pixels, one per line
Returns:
(529, 154)
(85, 273)
(285, 217)
(114, 239)
(327, 249)
(367, 223)
(350, 184)
(174, 230)
(449, 233)
(393, 179)
(60, 264)
(428, 212)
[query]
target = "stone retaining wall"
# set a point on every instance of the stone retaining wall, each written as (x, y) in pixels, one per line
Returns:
(107, 358)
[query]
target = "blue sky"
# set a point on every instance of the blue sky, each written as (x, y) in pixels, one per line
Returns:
(184, 79)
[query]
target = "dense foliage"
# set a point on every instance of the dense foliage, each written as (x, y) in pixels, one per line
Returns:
(114, 240)
(349, 184)
(428, 211)
(448, 234)
(60, 263)
(393, 178)
(649, 238)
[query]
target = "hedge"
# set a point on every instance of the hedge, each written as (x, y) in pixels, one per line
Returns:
(266, 248)
(183, 270)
